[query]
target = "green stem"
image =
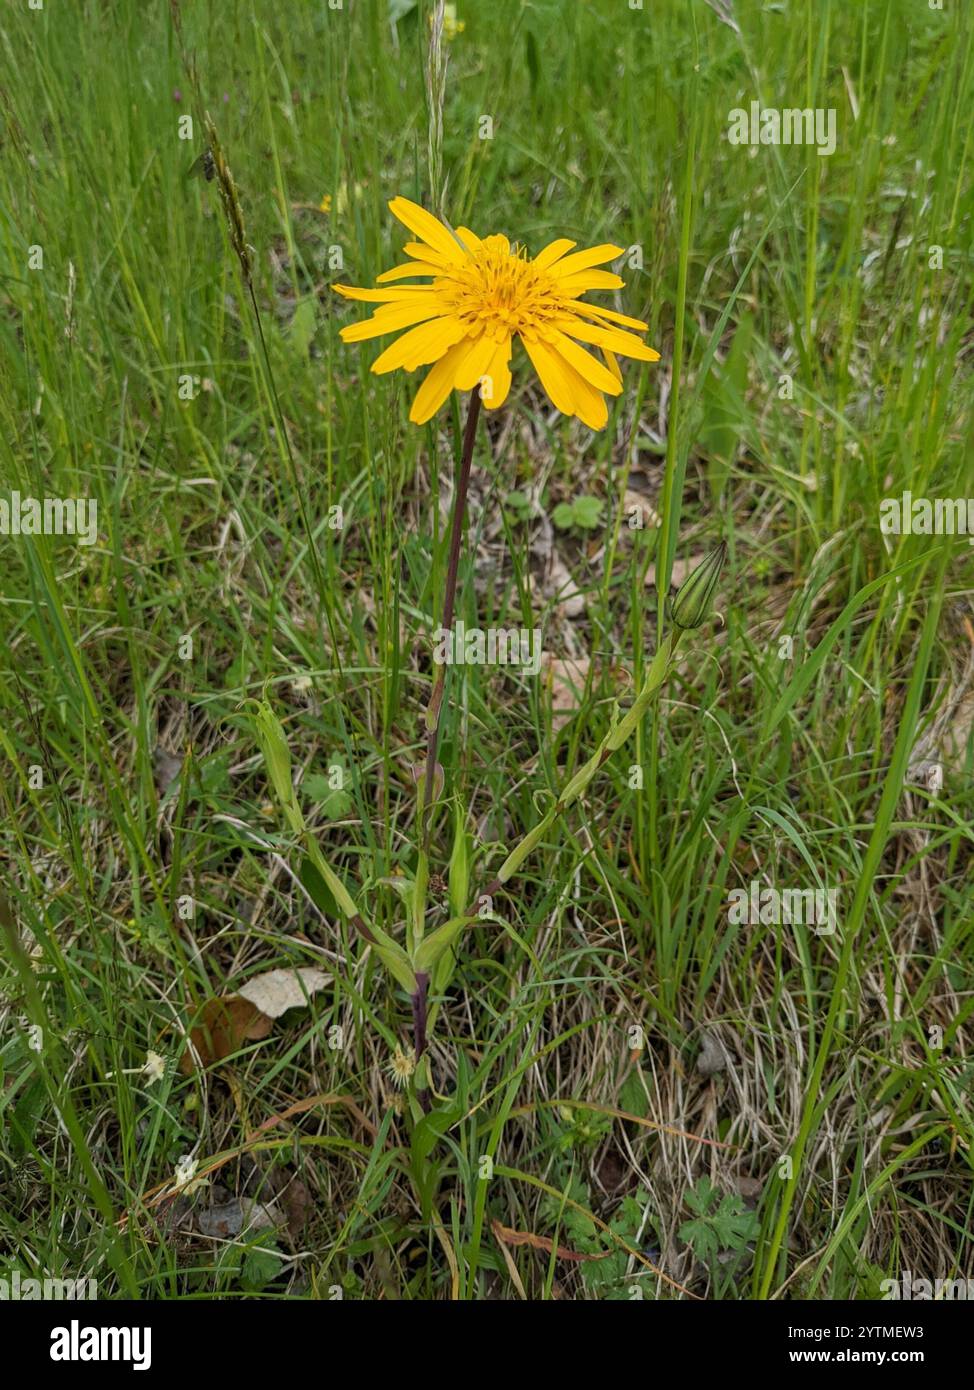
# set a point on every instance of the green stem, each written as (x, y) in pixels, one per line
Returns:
(434, 710)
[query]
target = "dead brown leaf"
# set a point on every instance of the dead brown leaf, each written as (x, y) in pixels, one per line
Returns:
(228, 1220)
(560, 584)
(712, 1058)
(224, 1026)
(296, 1199)
(639, 512)
(679, 572)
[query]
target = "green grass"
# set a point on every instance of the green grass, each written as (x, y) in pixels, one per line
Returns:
(799, 770)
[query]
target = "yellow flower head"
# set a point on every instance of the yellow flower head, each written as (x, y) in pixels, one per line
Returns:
(451, 25)
(483, 294)
(401, 1066)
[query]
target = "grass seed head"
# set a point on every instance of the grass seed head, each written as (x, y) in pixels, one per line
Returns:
(230, 198)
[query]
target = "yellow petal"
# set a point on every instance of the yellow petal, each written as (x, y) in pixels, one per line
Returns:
(587, 366)
(590, 404)
(555, 378)
(582, 260)
(470, 239)
(428, 227)
(407, 271)
(425, 343)
(552, 252)
(497, 376)
(612, 339)
(498, 242)
(569, 391)
(437, 385)
(421, 252)
(404, 293)
(590, 280)
(475, 364)
(592, 410)
(595, 311)
(392, 317)
(612, 362)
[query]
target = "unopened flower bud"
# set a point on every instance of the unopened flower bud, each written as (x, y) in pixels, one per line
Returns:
(694, 598)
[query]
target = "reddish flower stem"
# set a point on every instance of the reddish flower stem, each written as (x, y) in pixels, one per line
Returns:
(434, 710)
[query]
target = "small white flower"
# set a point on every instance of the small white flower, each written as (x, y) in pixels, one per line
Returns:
(185, 1178)
(155, 1067)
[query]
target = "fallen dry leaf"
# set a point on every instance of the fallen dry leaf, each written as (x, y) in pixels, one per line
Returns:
(749, 1188)
(636, 508)
(227, 1220)
(680, 570)
(276, 991)
(166, 767)
(560, 584)
(712, 1058)
(296, 1200)
(565, 678)
(224, 1026)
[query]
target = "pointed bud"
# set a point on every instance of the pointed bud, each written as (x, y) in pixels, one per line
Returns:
(694, 598)
(277, 759)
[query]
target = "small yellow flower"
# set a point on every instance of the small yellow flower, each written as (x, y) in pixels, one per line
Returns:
(451, 25)
(401, 1067)
(484, 293)
(325, 204)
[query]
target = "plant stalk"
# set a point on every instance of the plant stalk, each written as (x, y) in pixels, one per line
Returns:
(434, 709)
(433, 716)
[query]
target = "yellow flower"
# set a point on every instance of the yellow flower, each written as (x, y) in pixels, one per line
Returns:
(325, 204)
(401, 1066)
(451, 25)
(484, 293)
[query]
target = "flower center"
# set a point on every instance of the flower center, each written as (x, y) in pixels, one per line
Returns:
(502, 292)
